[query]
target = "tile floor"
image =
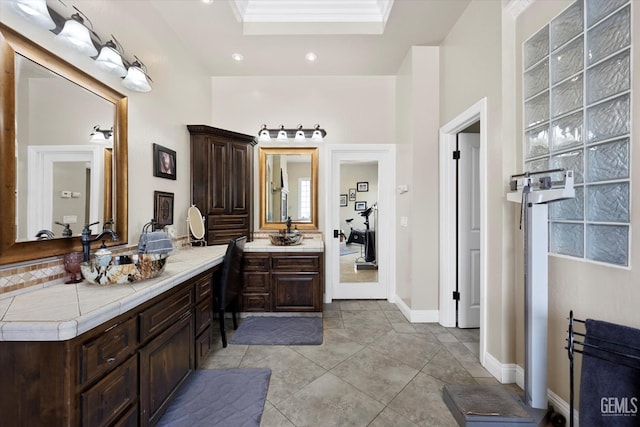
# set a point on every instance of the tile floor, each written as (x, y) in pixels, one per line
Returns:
(374, 368)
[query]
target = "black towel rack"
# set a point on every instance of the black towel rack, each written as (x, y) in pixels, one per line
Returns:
(583, 348)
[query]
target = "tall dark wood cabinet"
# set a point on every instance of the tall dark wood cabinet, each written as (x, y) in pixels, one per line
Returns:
(222, 181)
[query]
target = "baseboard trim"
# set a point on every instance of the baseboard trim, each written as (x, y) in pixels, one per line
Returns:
(503, 372)
(417, 316)
(559, 405)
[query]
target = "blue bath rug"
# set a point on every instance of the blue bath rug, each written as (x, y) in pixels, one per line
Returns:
(219, 397)
(259, 330)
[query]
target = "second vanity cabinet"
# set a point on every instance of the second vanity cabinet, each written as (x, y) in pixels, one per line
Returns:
(122, 373)
(282, 281)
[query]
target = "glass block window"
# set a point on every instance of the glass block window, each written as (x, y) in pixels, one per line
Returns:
(304, 198)
(577, 83)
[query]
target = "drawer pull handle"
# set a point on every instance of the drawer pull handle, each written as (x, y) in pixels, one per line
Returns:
(111, 360)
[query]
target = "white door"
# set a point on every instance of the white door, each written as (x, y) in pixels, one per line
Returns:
(367, 273)
(469, 230)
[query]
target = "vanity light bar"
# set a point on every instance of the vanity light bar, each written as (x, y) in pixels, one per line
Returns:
(109, 56)
(299, 134)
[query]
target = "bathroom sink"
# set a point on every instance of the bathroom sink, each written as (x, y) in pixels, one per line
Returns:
(123, 268)
(287, 239)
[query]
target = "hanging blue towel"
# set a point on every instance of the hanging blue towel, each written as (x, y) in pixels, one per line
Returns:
(610, 383)
(154, 242)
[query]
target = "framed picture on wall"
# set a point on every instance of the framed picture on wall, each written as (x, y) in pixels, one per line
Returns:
(363, 186)
(361, 206)
(343, 200)
(164, 162)
(163, 208)
(352, 194)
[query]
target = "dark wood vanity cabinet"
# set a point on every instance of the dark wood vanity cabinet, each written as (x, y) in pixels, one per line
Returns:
(121, 373)
(285, 281)
(222, 181)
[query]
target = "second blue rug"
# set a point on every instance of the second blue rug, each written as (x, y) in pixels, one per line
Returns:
(260, 330)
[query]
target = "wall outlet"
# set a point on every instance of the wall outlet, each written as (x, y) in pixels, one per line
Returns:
(70, 219)
(404, 221)
(65, 194)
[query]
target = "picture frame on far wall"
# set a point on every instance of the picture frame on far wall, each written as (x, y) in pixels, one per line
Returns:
(343, 200)
(361, 206)
(352, 194)
(362, 186)
(164, 162)
(162, 208)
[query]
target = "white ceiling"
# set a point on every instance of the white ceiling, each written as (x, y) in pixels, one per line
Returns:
(213, 32)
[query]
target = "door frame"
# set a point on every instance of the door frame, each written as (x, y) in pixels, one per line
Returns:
(448, 231)
(386, 156)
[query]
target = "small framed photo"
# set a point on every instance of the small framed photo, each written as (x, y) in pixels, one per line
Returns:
(363, 186)
(163, 208)
(361, 206)
(164, 162)
(352, 194)
(343, 200)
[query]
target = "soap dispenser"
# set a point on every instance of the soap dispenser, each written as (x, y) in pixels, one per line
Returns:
(103, 255)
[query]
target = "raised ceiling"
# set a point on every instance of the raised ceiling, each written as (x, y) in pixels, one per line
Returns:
(214, 31)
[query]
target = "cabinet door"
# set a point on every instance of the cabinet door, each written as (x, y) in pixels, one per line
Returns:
(111, 396)
(217, 178)
(295, 291)
(164, 364)
(240, 175)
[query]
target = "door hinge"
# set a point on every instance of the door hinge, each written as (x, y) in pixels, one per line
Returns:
(456, 155)
(456, 295)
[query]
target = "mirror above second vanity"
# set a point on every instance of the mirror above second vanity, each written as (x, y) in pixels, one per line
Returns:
(47, 162)
(288, 187)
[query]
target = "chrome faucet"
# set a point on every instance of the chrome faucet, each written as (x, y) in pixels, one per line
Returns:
(86, 239)
(288, 225)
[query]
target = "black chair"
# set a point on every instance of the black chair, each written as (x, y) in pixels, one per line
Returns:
(227, 284)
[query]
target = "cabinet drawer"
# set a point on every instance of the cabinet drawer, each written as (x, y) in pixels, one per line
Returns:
(204, 315)
(203, 346)
(108, 350)
(256, 283)
(111, 396)
(256, 302)
(295, 262)
(164, 313)
(203, 287)
(255, 262)
(222, 237)
(219, 222)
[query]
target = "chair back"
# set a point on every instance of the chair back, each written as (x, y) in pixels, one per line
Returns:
(229, 284)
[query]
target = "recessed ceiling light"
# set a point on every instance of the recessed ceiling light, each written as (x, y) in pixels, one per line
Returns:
(311, 57)
(207, 1)
(237, 57)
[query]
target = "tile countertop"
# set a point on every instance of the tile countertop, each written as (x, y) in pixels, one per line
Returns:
(309, 244)
(62, 312)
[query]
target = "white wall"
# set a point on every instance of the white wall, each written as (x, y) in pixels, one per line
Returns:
(350, 175)
(351, 109)
(417, 104)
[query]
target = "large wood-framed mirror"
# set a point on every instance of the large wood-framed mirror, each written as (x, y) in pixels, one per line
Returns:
(288, 187)
(48, 108)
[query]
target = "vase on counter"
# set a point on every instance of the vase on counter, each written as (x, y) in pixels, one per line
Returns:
(72, 262)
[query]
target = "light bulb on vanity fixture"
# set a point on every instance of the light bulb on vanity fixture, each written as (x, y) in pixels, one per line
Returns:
(110, 58)
(35, 11)
(317, 135)
(137, 78)
(300, 137)
(101, 136)
(264, 136)
(282, 134)
(76, 35)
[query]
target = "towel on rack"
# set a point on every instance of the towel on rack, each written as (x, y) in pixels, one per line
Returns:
(609, 382)
(154, 242)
